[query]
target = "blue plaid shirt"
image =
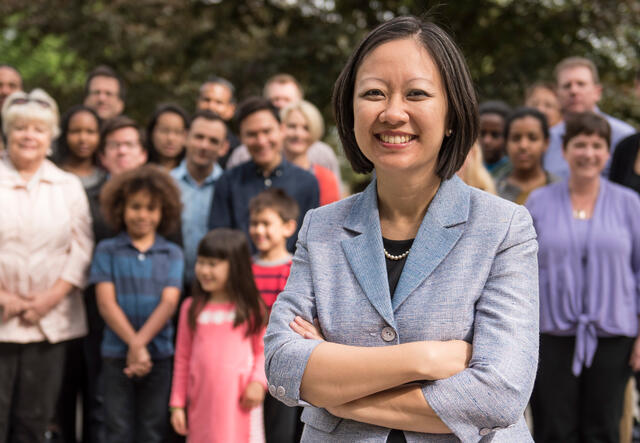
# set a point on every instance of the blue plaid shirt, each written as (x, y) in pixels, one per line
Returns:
(139, 279)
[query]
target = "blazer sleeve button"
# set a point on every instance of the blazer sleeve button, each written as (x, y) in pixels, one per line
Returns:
(388, 334)
(280, 391)
(272, 390)
(485, 431)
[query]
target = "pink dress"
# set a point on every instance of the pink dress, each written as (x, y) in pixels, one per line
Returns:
(213, 366)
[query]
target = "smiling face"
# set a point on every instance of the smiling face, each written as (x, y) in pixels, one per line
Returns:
(28, 142)
(205, 142)
(212, 273)
(10, 81)
(263, 135)
(123, 151)
(169, 135)
(400, 108)
(268, 231)
(526, 143)
(587, 155)
(142, 214)
(83, 135)
(297, 134)
(217, 98)
(103, 96)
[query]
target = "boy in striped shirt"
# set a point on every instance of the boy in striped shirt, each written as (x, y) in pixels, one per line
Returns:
(272, 220)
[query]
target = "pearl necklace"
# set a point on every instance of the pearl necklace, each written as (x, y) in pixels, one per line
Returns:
(395, 257)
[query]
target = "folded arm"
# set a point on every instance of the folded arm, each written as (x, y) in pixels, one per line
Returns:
(493, 392)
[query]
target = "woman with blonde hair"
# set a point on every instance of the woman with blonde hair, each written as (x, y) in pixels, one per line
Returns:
(474, 173)
(45, 249)
(303, 126)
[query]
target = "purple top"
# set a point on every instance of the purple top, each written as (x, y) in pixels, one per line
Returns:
(593, 292)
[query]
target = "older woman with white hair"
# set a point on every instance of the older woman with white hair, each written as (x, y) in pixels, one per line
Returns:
(45, 249)
(303, 126)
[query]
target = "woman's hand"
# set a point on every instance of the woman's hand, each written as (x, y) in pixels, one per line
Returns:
(442, 359)
(634, 360)
(179, 421)
(12, 305)
(252, 396)
(306, 329)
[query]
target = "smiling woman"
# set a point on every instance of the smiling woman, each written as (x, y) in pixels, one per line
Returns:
(423, 290)
(589, 279)
(45, 249)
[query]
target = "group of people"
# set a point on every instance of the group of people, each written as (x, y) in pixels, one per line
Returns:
(565, 160)
(410, 309)
(112, 227)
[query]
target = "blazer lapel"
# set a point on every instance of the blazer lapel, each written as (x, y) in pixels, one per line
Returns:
(364, 252)
(441, 227)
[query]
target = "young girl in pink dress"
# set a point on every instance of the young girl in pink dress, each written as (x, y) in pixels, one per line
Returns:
(219, 381)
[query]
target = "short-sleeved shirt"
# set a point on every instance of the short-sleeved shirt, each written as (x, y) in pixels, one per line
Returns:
(139, 279)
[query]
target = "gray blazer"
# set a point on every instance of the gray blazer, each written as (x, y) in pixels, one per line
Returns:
(472, 274)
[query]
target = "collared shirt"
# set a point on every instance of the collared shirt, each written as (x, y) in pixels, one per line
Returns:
(237, 186)
(196, 206)
(319, 153)
(45, 235)
(139, 279)
(554, 161)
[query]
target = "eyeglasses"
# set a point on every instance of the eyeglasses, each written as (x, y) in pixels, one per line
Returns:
(25, 100)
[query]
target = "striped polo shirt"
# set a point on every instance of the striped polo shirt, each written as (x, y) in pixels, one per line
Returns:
(139, 279)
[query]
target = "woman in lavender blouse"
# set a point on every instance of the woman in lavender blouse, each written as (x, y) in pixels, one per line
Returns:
(589, 259)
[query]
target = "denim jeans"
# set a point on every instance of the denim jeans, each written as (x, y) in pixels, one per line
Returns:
(136, 409)
(30, 378)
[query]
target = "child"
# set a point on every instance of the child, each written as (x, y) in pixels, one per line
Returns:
(219, 364)
(138, 275)
(272, 220)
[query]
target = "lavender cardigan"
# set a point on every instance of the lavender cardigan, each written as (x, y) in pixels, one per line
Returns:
(596, 295)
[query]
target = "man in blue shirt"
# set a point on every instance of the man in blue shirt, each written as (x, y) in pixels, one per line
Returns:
(579, 90)
(261, 132)
(196, 176)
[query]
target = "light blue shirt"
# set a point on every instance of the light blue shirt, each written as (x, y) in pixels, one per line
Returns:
(554, 161)
(196, 206)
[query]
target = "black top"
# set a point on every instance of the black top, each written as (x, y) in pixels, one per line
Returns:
(624, 159)
(394, 270)
(394, 267)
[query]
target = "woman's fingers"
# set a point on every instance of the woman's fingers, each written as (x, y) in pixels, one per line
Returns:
(306, 329)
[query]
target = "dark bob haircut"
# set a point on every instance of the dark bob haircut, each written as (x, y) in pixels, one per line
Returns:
(587, 123)
(523, 112)
(462, 115)
(151, 178)
(166, 108)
